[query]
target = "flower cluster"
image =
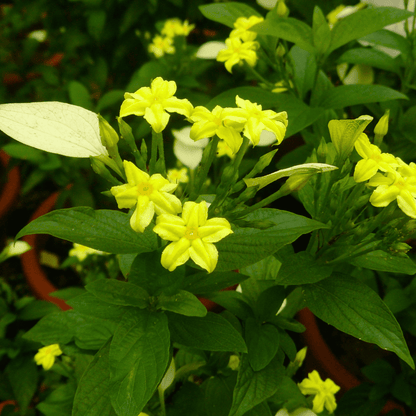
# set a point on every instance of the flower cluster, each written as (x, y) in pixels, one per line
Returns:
(241, 45)
(164, 43)
(392, 178)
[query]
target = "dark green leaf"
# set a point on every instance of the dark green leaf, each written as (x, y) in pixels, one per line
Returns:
(321, 31)
(59, 402)
(119, 293)
(389, 39)
(352, 307)
(286, 28)
(289, 395)
(262, 343)
(96, 22)
(385, 262)
(219, 395)
(139, 356)
(301, 268)
(249, 245)
(253, 387)
(110, 98)
(212, 333)
(199, 283)
(269, 302)
(232, 301)
(183, 302)
(227, 13)
(92, 397)
(364, 22)
(371, 57)
(79, 95)
(347, 95)
(104, 230)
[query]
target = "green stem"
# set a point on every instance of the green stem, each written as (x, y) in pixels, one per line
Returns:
(153, 157)
(258, 76)
(162, 402)
(159, 140)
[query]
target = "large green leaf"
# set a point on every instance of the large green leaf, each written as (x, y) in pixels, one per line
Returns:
(219, 394)
(212, 332)
(250, 245)
(385, 262)
(347, 95)
(183, 302)
(117, 292)
(139, 356)
(253, 387)
(104, 230)
(199, 283)
(227, 13)
(364, 22)
(92, 397)
(79, 95)
(389, 39)
(262, 343)
(354, 308)
(286, 28)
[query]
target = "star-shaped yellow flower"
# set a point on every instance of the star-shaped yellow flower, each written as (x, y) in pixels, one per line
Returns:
(238, 51)
(242, 26)
(46, 356)
(259, 120)
(150, 195)
(153, 103)
(226, 123)
(193, 236)
(324, 392)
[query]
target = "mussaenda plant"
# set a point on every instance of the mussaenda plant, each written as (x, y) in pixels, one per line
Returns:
(150, 344)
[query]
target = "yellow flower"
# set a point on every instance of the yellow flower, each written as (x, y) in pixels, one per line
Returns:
(242, 26)
(259, 120)
(175, 27)
(150, 195)
(224, 150)
(226, 123)
(372, 160)
(324, 392)
(161, 45)
(395, 186)
(193, 236)
(46, 356)
(238, 51)
(154, 102)
(81, 252)
(178, 175)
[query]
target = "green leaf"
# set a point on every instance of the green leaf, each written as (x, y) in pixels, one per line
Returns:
(301, 268)
(304, 69)
(269, 302)
(354, 308)
(289, 394)
(364, 22)
(347, 95)
(199, 283)
(385, 262)
(183, 302)
(139, 356)
(389, 39)
(148, 273)
(249, 245)
(92, 397)
(104, 230)
(371, 57)
(227, 13)
(232, 301)
(110, 98)
(219, 394)
(96, 22)
(23, 377)
(212, 333)
(253, 387)
(59, 402)
(320, 31)
(286, 28)
(262, 343)
(79, 95)
(117, 292)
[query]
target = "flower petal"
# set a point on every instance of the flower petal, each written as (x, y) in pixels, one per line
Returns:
(204, 255)
(175, 254)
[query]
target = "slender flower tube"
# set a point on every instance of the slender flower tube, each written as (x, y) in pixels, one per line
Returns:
(259, 120)
(324, 392)
(150, 195)
(153, 103)
(226, 123)
(192, 236)
(46, 356)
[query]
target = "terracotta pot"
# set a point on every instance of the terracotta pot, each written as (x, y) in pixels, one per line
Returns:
(321, 358)
(11, 188)
(34, 273)
(6, 403)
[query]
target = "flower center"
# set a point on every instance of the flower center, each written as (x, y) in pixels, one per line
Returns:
(191, 233)
(144, 188)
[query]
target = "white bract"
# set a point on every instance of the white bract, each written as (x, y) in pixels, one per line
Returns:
(209, 50)
(188, 151)
(55, 127)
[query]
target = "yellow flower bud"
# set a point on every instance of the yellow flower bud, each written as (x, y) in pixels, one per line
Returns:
(109, 137)
(382, 126)
(282, 10)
